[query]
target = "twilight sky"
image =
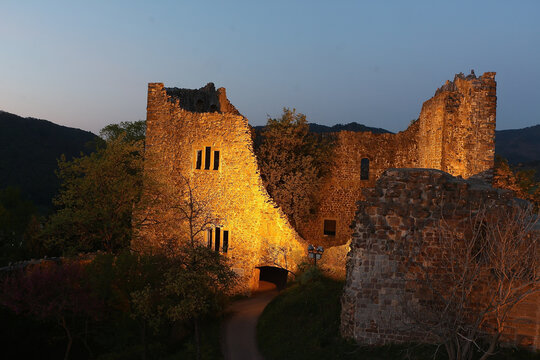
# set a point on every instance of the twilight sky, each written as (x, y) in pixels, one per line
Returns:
(86, 64)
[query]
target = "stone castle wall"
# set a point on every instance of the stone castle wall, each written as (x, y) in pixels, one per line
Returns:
(399, 220)
(180, 123)
(455, 133)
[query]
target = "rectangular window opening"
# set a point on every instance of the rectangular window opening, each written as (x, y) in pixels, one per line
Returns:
(225, 240)
(218, 239)
(207, 153)
(198, 162)
(364, 169)
(329, 228)
(216, 160)
(209, 238)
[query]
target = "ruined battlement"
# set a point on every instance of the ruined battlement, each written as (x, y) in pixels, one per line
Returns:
(199, 135)
(205, 99)
(398, 224)
(484, 80)
(455, 133)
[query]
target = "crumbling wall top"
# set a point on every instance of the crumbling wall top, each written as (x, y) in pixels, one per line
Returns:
(453, 85)
(205, 99)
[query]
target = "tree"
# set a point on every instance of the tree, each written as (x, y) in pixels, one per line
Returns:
(197, 287)
(96, 199)
(485, 265)
(52, 292)
(522, 182)
(293, 162)
(130, 131)
(16, 213)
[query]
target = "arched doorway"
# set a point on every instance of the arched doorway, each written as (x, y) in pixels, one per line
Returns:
(275, 275)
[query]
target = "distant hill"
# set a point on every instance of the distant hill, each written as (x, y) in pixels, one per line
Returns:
(519, 145)
(29, 149)
(354, 126)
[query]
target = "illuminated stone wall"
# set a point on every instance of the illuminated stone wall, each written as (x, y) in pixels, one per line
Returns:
(455, 133)
(400, 220)
(181, 122)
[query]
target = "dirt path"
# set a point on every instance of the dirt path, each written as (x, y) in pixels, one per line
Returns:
(239, 340)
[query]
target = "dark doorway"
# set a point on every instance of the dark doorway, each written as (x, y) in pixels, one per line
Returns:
(274, 275)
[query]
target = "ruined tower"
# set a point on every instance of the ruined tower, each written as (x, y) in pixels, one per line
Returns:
(197, 136)
(455, 132)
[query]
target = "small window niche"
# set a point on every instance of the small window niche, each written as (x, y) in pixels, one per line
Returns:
(364, 169)
(198, 160)
(218, 240)
(216, 160)
(329, 228)
(207, 159)
(209, 238)
(225, 241)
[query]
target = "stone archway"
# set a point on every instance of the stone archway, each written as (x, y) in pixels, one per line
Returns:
(273, 274)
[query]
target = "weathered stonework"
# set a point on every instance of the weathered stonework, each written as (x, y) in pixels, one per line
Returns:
(182, 122)
(399, 220)
(455, 132)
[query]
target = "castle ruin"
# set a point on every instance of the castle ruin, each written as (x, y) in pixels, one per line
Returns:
(400, 225)
(198, 135)
(455, 133)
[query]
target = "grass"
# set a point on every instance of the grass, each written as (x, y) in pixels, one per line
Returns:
(303, 323)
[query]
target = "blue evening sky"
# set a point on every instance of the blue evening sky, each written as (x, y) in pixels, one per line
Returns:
(86, 64)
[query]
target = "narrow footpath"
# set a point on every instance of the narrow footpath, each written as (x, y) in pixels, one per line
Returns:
(240, 329)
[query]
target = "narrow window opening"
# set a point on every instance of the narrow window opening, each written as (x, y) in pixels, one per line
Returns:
(225, 240)
(218, 239)
(209, 238)
(207, 153)
(198, 163)
(199, 106)
(216, 160)
(364, 169)
(329, 227)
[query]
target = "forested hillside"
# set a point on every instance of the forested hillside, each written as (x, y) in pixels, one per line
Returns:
(29, 149)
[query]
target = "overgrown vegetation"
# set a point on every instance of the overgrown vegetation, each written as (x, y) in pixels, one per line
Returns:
(302, 323)
(110, 303)
(522, 181)
(293, 163)
(123, 306)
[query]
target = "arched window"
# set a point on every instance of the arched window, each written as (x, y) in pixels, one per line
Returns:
(364, 169)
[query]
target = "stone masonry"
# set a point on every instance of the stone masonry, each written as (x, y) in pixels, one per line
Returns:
(455, 132)
(399, 220)
(199, 136)
(190, 131)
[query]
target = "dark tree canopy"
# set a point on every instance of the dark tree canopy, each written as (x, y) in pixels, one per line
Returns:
(293, 163)
(96, 199)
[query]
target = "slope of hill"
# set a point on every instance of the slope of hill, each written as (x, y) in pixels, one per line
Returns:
(519, 145)
(354, 126)
(29, 149)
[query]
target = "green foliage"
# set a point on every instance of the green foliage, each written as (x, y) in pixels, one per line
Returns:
(158, 293)
(18, 221)
(293, 163)
(522, 182)
(96, 199)
(303, 321)
(128, 305)
(130, 131)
